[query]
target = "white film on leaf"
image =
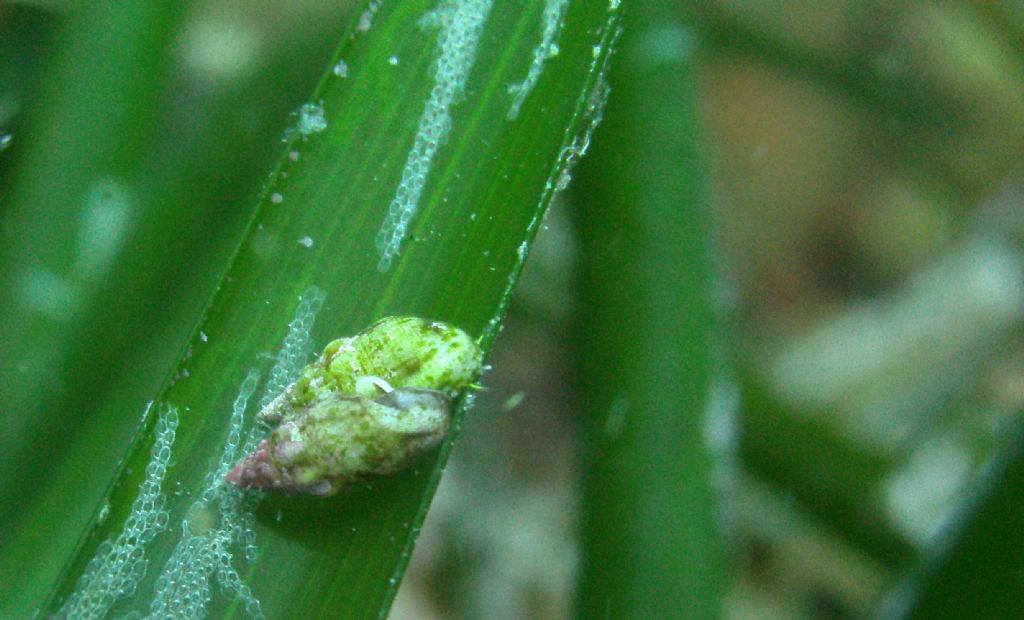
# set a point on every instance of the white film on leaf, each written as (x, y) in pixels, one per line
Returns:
(552, 20)
(460, 25)
(222, 518)
(120, 563)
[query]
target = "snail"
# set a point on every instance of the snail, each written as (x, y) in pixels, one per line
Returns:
(368, 406)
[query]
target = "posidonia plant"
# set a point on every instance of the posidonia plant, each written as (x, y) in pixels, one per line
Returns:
(411, 181)
(256, 255)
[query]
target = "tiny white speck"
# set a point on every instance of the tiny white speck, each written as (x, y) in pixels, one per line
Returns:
(393, 61)
(514, 401)
(306, 241)
(365, 20)
(203, 337)
(341, 69)
(293, 155)
(276, 198)
(308, 120)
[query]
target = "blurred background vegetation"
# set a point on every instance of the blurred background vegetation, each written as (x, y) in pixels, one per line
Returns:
(866, 189)
(832, 191)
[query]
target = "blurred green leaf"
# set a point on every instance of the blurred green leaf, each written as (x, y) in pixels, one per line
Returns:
(421, 100)
(651, 535)
(98, 116)
(799, 454)
(977, 567)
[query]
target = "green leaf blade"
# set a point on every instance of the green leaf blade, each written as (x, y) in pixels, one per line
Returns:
(649, 382)
(486, 190)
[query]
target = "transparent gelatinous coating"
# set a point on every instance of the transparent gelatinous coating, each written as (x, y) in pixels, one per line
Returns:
(343, 437)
